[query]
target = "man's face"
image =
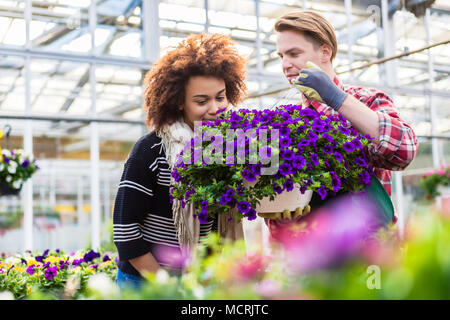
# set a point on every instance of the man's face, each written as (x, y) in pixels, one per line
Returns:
(295, 50)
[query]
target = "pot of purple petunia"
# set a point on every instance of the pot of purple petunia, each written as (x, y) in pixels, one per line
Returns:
(260, 160)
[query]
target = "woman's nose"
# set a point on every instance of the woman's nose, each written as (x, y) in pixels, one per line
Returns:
(214, 107)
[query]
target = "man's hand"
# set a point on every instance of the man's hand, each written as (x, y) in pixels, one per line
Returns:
(315, 84)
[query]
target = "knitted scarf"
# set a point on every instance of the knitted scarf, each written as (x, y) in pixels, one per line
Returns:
(174, 137)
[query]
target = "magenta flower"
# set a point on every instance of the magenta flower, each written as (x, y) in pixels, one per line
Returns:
(51, 272)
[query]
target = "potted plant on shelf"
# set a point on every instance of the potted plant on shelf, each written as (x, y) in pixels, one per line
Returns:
(256, 161)
(15, 168)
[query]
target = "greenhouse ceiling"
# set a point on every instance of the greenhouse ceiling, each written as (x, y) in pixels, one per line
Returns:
(70, 55)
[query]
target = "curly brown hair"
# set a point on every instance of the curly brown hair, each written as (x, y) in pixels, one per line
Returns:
(198, 55)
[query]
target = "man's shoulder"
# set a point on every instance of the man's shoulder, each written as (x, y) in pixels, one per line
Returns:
(366, 94)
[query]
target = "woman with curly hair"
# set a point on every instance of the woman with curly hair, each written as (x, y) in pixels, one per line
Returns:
(202, 75)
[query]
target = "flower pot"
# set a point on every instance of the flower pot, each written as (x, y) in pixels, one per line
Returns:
(285, 201)
(6, 190)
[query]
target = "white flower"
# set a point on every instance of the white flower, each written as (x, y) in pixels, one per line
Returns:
(12, 169)
(103, 285)
(8, 178)
(12, 260)
(162, 276)
(17, 184)
(2, 166)
(6, 295)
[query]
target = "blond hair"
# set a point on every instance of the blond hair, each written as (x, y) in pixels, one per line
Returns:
(313, 25)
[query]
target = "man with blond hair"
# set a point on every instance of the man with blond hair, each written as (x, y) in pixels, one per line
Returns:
(307, 45)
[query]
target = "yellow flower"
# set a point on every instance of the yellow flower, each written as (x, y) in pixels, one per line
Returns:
(1, 134)
(52, 259)
(29, 290)
(19, 269)
(32, 261)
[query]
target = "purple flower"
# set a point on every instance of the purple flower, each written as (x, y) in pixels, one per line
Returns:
(285, 169)
(244, 207)
(30, 270)
(328, 137)
(304, 143)
(335, 181)
(51, 272)
(289, 185)
(240, 190)
(176, 175)
(251, 215)
(248, 175)
(25, 163)
(284, 131)
(348, 147)
(312, 136)
(298, 162)
(287, 154)
(106, 258)
(338, 156)
(315, 159)
(77, 262)
(322, 192)
(360, 162)
(364, 177)
(357, 143)
(285, 141)
(344, 130)
(203, 217)
(91, 255)
(278, 189)
(328, 149)
(301, 128)
(224, 200)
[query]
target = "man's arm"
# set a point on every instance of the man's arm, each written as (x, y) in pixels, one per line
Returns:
(361, 117)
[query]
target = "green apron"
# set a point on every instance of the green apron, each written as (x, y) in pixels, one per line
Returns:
(376, 193)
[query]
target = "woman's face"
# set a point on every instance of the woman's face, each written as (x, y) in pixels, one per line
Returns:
(205, 95)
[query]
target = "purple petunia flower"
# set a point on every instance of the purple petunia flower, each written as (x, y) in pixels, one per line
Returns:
(285, 141)
(328, 149)
(364, 177)
(344, 130)
(278, 189)
(360, 162)
(335, 181)
(243, 207)
(203, 217)
(248, 175)
(298, 162)
(327, 137)
(251, 215)
(315, 159)
(357, 143)
(287, 154)
(284, 131)
(30, 270)
(338, 156)
(51, 272)
(289, 185)
(348, 147)
(224, 199)
(322, 192)
(265, 153)
(304, 143)
(176, 175)
(301, 128)
(25, 163)
(240, 190)
(285, 169)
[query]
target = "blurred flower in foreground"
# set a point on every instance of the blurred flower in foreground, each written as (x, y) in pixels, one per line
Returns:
(330, 235)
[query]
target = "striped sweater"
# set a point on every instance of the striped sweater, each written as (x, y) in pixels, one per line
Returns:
(143, 219)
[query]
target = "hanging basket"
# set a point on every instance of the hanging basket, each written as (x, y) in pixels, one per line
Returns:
(6, 190)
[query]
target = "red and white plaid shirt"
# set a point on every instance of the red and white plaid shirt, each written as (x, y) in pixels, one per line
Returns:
(398, 144)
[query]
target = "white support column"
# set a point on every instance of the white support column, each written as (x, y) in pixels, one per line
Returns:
(434, 141)
(391, 80)
(94, 143)
(348, 13)
(106, 200)
(151, 30)
(80, 214)
(206, 16)
(27, 193)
